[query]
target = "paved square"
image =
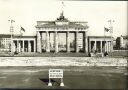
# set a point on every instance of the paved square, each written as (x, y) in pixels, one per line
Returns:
(32, 72)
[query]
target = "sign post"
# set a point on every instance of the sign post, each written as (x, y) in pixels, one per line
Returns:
(56, 73)
(61, 84)
(49, 83)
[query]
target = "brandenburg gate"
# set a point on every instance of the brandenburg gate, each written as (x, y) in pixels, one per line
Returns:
(47, 30)
(62, 35)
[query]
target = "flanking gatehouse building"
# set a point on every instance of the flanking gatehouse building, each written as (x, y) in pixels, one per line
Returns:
(24, 44)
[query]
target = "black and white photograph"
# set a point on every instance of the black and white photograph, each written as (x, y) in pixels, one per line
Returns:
(63, 44)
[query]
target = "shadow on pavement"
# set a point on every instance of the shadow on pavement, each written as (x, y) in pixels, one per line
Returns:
(46, 80)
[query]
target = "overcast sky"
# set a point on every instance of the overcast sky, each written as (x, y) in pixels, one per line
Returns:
(96, 13)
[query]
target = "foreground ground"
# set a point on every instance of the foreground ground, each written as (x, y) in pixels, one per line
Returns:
(74, 78)
(79, 72)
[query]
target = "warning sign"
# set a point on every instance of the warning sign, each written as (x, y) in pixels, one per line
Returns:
(55, 73)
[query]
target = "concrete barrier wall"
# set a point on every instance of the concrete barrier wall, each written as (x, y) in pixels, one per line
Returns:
(62, 61)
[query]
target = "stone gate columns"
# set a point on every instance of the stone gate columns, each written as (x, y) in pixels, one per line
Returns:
(56, 41)
(86, 43)
(23, 46)
(101, 46)
(90, 46)
(111, 46)
(47, 42)
(77, 48)
(34, 46)
(95, 45)
(38, 42)
(13, 47)
(68, 41)
(19, 46)
(29, 46)
(107, 46)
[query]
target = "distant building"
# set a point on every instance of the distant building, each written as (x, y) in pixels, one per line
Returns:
(5, 42)
(122, 42)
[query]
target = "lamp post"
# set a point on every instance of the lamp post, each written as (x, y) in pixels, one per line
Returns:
(111, 32)
(11, 31)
